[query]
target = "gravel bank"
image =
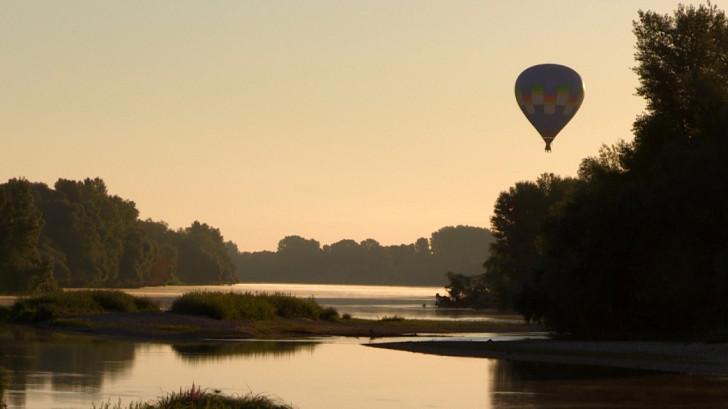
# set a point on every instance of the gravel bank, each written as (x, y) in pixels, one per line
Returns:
(659, 356)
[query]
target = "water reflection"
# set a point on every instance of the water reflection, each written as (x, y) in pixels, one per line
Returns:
(52, 370)
(73, 372)
(37, 360)
(222, 351)
(545, 386)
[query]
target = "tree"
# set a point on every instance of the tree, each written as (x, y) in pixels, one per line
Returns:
(461, 249)
(202, 256)
(77, 234)
(164, 266)
(465, 291)
(640, 248)
(137, 259)
(88, 226)
(21, 266)
(296, 247)
(517, 222)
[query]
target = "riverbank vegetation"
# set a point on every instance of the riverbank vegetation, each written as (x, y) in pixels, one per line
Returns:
(198, 398)
(198, 316)
(637, 245)
(248, 306)
(62, 304)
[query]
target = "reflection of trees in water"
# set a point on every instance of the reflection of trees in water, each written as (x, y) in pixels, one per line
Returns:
(532, 385)
(77, 364)
(228, 350)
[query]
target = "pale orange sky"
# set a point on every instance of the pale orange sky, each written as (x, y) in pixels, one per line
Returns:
(328, 119)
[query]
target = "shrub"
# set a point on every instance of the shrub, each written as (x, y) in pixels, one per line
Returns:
(69, 303)
(329, 314)
(288, 306)
(224, 306)
(394, 318)
(346, 316)
(122, 302)
(197, 398)
(248, 306)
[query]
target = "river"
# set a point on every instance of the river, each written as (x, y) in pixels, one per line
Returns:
(361, 301)
(62, 371)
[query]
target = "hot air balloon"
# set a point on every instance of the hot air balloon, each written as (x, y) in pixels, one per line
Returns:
(549, 95)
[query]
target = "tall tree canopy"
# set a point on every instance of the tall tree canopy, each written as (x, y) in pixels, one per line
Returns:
(641, 247)
(77, 234)
(21, 222)
(637, 246)
(517, 222)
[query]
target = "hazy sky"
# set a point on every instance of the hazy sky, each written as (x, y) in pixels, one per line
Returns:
(328, 119)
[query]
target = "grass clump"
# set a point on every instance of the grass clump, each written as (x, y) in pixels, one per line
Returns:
(224, 306)
(249, 306)
(197, 398)
(288, 306)
(329, 314)
(70, 303)
(393, 318)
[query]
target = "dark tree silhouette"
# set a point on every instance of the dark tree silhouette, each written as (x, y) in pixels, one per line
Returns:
(461, 249)
(77, 234)
(21, 266)
(641, 247)
(517, 222)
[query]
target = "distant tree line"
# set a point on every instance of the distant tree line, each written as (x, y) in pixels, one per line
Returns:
(459, 249)
(637, 245)
(77, 235)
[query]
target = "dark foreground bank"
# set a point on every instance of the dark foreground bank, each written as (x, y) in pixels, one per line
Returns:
(659, 356)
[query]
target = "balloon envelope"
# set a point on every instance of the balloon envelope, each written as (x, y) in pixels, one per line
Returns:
(549, 95)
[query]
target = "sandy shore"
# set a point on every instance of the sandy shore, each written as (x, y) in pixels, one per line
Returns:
(659, 356)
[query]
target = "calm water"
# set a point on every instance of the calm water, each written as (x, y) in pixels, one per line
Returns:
(74, 372)
(61, 371)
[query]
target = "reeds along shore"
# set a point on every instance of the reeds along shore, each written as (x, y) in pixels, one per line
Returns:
(216, 305)
(249, 306)
(204, 315)
(198, 398)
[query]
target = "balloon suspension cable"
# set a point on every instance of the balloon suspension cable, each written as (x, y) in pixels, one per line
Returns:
(548, 146)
